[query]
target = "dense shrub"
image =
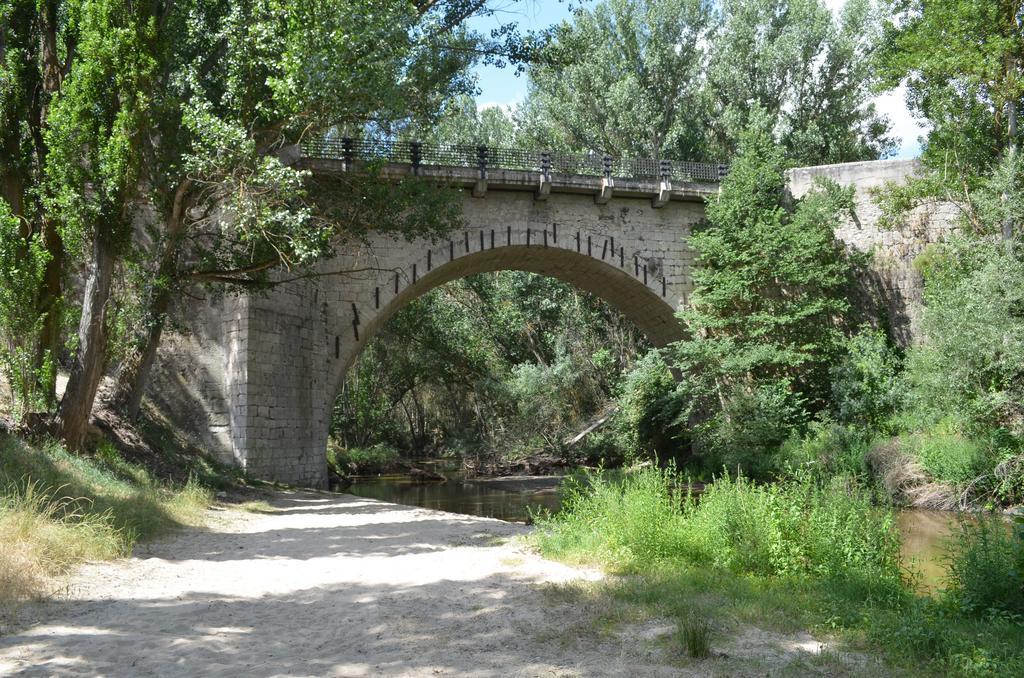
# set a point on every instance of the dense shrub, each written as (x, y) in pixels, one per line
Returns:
(745, 434)
(646, 421)
(830, 531)
(866, 388)
(950, 458)
(796, 528)
(969, 370)
(986, 567)
(22, 266)
(828, 449)
(377, 458)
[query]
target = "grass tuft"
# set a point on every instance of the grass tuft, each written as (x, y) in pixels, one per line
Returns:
(696, 637)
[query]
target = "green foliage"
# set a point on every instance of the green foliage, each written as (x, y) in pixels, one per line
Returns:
(769, 299)
(767, 316)
(959, 59)
(748, 430)
(866, 385)
(377, 458)
(807, 69)
(642, 423)
(951, 458)
(634, 83)
(22, 266)
(680, 78)
(828, 449)
(509, 364)
(825, 532)
(986, 568)
(970, 369)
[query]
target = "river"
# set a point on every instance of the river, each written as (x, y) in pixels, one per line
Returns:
(924, 533)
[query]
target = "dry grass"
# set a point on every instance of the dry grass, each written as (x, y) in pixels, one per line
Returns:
(905, 481)
(44, 535)
(58, 510)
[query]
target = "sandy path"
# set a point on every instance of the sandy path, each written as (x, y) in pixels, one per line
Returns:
(328, 585)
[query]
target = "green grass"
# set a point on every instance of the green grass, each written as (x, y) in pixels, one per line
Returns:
(798, 555)
(58, 509)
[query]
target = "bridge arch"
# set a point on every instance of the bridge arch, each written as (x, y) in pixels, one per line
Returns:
(627, 253)
(284, 354)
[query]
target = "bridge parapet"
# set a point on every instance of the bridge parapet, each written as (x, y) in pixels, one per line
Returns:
(482, 160)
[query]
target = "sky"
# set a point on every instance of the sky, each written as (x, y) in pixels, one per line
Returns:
(501, 86)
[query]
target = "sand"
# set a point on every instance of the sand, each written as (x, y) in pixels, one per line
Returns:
(335, 585)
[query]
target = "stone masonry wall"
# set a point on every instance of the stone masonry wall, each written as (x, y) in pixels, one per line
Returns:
(891, 283)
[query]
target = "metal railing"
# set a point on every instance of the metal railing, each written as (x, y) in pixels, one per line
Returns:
(483, 158)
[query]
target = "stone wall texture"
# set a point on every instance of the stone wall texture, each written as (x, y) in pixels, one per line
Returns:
(890, 284)
(252, 378)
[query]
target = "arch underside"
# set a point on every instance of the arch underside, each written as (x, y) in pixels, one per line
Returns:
(653, 315)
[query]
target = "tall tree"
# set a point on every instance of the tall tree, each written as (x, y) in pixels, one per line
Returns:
(152, 135)
(962, 62)
(679, 79)
(810, 71)
(767, 315)
(634, 88)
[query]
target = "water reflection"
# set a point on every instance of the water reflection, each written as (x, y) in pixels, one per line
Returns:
(506, 499)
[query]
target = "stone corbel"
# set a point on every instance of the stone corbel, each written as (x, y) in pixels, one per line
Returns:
(604, 194)
(480, 187)
(544, 187)
(664, 194)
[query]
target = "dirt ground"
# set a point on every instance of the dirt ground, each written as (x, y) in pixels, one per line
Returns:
(336, 585)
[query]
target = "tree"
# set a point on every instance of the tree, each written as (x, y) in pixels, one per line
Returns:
(962, 62)
(37, 42)
(809, 71)
(767, 315)
(634, 88)
(680, 79)
(149, 136)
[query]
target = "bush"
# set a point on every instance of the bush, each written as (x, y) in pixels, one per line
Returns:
(646, 422)
(828, 531)
(795, 528)
(866, 389)
(970, 369)
(22, 266)
(746, 435)
(828, 449)
(629, 522)
(378, 458)
(986, 567)
(951, 458)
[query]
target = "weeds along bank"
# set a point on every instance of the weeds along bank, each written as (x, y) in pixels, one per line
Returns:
(59, 509)
(800, 554)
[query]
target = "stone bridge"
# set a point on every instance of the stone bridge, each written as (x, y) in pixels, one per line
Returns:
(254, 378)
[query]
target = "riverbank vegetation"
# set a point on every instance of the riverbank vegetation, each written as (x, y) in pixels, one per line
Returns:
(801, 553)
(58, 509)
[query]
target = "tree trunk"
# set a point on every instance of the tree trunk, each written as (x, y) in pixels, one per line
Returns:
(1012, 150)
(134, 375)
(84, 381)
